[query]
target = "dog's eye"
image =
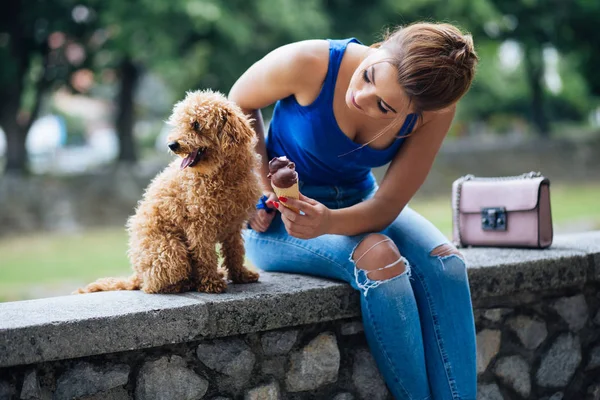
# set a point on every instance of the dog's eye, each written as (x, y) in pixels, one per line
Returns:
(196, 125)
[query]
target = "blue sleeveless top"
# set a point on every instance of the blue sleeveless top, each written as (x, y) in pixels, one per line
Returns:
(310, 136)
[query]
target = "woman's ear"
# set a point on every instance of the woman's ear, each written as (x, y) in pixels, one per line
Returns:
(235, 130)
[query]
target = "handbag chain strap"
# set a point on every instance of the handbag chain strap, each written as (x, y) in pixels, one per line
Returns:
(463, 179)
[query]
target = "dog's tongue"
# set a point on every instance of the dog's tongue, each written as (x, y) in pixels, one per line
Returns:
(189, 159)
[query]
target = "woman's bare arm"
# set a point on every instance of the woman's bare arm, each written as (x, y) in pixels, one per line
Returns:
(287, 70)
(404, 177)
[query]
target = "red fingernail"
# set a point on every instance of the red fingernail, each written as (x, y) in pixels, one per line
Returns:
(270, 203)
(276, 205)
(284, 199)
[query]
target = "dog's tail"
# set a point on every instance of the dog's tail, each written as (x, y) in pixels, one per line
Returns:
(108, 284)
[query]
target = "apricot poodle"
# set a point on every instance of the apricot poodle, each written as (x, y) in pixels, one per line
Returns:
(198, 201)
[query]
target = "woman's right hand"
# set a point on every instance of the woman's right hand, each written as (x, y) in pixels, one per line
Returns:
(261, 219)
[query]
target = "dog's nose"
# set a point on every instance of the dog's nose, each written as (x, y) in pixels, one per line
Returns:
(173, 145)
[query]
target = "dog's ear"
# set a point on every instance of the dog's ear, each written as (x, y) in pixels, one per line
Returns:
(235, 129)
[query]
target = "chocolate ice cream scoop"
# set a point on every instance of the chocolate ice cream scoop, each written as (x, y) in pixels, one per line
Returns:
(282, 172)
(277, 163)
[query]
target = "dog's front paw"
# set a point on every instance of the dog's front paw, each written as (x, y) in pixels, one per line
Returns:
(243, 276)
(213, 286)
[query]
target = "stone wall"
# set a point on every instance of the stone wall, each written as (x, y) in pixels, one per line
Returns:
(326, 361)
(108, 197)
(545, 349)
(297, 337)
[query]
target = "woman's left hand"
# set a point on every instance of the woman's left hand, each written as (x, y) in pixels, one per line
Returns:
(313, 220)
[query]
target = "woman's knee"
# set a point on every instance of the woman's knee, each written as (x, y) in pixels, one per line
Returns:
(446, 250)
(378, 255)
(450, 261)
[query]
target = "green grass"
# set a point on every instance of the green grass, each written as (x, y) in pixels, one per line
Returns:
(54, 264)
(45, 265)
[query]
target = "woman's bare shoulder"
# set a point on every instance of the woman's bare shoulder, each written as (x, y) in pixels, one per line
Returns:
(307, 59)
(291, 69)
(312, 49)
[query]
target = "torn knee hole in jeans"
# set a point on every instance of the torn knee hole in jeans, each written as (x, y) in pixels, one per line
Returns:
(366, 282)
(446, 250)
(450, 260)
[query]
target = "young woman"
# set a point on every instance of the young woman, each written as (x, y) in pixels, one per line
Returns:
(341, 109)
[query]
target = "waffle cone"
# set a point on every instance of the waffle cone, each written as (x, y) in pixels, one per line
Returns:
(293, 192)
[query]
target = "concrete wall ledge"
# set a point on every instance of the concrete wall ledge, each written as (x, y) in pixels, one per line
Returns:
(83, 325)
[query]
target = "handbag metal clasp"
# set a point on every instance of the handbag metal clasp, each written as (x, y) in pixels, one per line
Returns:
(493, 219)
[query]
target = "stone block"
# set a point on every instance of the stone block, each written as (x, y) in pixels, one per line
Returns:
(593, 392)
(489, 392)
(560, 362)
(231, 357)
(85, 379)
(496, 314)
(278, 342)
(531, 332)
(264, 392)
(31, 386)
(7, 391)
(275, 366)
(573, 310)
(366, 376)
(119, 393)
(352, 328)
(488, 345)
(594, 359)
(315, 365)
(169, 378)
(343, 396)
(514, 371)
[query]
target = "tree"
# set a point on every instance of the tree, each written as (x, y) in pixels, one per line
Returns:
(140, 35)
(577, 34)
(33, 61)
(533, 24)
(193, 44)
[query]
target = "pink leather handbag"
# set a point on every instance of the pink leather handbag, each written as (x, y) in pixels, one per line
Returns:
(511, 211)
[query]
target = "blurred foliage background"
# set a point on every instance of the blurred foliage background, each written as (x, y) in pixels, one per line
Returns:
(537, 71)
(112, 69)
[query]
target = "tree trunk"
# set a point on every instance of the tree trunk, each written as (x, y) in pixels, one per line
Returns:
(534, 65)
(11, 91)
(16, 130)
(16, 154)
(128, 74)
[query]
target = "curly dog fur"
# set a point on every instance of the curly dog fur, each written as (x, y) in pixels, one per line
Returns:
(198, 201)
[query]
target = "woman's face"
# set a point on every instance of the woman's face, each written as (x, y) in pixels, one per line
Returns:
(374, 89)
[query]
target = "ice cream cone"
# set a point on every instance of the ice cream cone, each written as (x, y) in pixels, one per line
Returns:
(284, 180)
(293, 192)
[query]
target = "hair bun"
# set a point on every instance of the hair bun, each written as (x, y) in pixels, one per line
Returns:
(459, 56)
(435, 62)
(464, 48)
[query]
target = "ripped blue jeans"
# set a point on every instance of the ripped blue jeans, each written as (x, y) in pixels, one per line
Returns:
(419, 324)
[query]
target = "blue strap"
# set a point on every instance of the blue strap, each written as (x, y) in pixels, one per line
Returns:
(262, 204)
